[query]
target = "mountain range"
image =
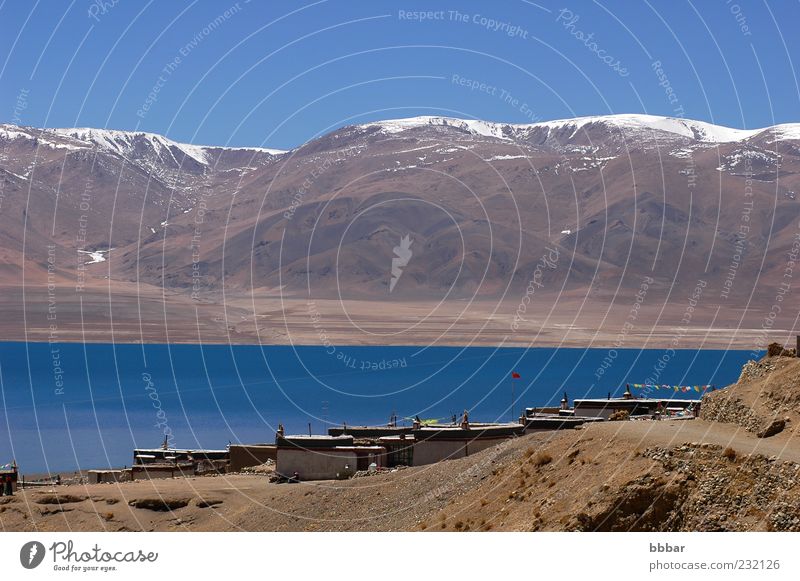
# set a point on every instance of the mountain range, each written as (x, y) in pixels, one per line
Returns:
(612, 200)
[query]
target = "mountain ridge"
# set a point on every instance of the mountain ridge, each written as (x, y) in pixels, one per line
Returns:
(619, 199)
(688, 128)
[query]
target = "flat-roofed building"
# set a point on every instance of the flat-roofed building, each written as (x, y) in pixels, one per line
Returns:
(434, 444)
(324, 457)
(369, 432)
(108, 476)
(604, 408)
(246, 455)
(157, 455)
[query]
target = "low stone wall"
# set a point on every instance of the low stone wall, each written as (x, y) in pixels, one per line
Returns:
(722, 407)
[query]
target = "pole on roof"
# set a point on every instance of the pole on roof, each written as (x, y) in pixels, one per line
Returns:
(512, 397)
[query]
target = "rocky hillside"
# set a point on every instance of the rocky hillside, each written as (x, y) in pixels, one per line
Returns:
(765, 400)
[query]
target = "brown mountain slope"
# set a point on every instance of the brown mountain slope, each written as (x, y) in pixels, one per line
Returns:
(619, 199)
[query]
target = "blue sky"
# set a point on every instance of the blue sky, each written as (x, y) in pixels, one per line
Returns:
(279, 73)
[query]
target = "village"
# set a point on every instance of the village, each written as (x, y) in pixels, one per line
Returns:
(348, 451)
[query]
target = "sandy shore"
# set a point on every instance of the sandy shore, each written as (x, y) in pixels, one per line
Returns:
(130, 313)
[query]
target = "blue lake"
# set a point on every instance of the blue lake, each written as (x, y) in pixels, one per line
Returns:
(71, 406)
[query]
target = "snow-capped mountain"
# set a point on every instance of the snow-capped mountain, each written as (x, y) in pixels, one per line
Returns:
(135, 146)
(126, 143)
(621, 196)
(635, 125)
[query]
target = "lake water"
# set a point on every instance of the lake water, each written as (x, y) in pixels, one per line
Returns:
(73, 406)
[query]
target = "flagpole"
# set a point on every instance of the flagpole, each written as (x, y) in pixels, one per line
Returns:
(512, 398)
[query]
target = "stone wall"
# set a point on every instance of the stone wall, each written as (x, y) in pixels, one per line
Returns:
(724, 406)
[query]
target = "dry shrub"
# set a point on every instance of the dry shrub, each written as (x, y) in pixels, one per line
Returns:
(729, 453)
(541, 459)
(620, 416)
(774, 349)
(778, 350)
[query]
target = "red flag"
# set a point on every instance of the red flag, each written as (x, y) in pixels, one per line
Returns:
(515, 375)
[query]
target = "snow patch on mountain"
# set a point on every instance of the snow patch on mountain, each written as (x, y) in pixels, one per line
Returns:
(785, 132)
(504, 157)
(756, 159)
(124, 143)
(268, 150)
(643, 124)
(13, 132)
(472, 126)
(697, 130)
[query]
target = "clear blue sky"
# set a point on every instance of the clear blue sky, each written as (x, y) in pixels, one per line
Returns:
(279, 73)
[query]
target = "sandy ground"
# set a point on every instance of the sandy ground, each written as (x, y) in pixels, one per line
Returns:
(133, 313)
(454, 495)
